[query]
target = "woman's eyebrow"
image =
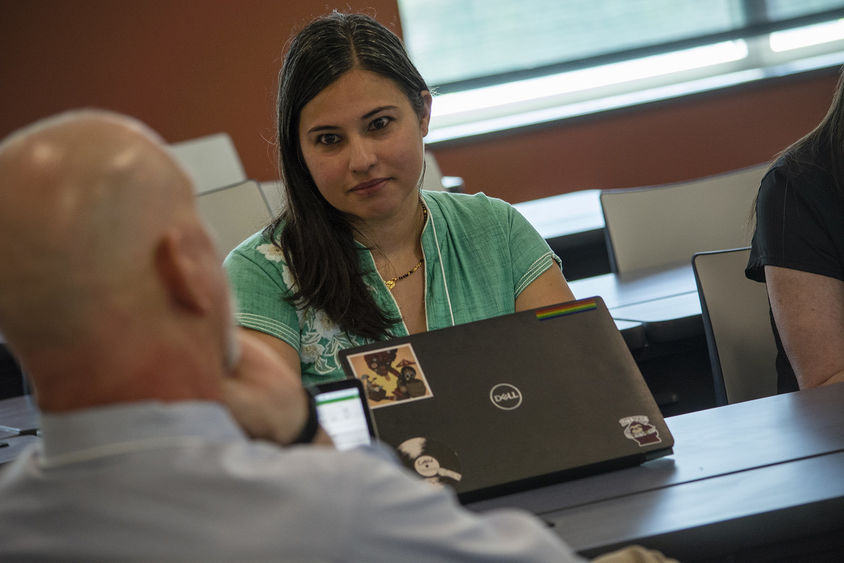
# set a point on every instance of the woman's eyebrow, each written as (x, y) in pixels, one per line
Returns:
(376, 110)
(367, 115)
(318, 128)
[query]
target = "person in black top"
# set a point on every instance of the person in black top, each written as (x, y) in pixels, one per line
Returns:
(798, 250)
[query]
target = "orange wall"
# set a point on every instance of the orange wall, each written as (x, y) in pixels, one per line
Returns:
(190, 68)
(666, 142)
(186, 67)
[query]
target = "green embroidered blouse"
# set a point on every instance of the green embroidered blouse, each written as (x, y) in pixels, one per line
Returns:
(480, 254)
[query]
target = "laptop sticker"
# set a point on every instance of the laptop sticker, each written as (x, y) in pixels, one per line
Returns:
(640, 430)
(566, 309)
(390, 375)
(433, 461)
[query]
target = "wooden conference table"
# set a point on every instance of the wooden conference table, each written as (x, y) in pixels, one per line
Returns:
(658, 313)
(759, 479)
(650, 306)
(659, 305)
(573, 225)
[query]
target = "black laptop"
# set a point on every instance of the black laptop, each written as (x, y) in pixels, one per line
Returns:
(512, 402)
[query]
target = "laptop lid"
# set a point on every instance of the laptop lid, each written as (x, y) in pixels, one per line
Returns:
(512, 402)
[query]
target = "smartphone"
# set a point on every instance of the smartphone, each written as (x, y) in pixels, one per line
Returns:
(344, 412)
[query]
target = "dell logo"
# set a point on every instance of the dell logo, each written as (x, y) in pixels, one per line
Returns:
(505, 396)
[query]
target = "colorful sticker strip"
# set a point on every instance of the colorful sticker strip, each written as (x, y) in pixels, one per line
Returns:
(566, 309)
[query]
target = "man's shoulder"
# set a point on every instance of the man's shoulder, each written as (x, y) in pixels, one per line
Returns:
(322, 461)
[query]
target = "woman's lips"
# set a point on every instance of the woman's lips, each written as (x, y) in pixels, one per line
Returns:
(369, 186)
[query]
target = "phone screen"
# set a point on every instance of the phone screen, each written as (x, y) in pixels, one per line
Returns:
(344, 413)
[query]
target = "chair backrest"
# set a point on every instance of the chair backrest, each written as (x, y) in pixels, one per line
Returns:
(233, 213)
(656, 226)
(211, 161)
(737, 323)
(434, 179)
(275, 196)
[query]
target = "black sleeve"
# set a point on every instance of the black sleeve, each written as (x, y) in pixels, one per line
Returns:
(799, 225)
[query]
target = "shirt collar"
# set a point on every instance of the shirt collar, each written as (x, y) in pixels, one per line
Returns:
(102, 428)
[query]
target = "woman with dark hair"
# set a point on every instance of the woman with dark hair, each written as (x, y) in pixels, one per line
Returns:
(361, 253)
(798, 250)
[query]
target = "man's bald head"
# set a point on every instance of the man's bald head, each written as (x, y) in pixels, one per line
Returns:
(84, 198)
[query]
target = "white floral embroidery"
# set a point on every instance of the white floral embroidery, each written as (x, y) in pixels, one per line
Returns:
(312, 352)
(319, 349)
(321, 340)
(274, 254)
(287, 277)
(324, 326)
(271, 252)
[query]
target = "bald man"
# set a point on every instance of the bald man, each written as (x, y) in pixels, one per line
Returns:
(111, 290)
(113, 299)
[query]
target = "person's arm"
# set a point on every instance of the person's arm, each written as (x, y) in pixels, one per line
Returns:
(809, 313)
(265, 393)
(381, 512)
(398, 517)
(528, 250)
(548, 289)
(287, 355)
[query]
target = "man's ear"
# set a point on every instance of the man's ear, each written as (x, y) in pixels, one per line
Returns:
(179, 265)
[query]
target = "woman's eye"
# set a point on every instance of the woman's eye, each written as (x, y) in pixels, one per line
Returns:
(380, 123)
(328, 139)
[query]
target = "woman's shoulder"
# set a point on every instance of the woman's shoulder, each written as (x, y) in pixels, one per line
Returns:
(259, 246)
(803, 178)
(472, 215)
(256, 261)
(466, 204)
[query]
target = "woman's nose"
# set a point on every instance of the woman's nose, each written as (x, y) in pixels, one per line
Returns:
(362, 155)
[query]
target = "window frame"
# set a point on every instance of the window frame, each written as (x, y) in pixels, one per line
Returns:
(759, 63)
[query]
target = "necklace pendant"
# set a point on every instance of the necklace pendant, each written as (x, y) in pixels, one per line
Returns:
(390, 284)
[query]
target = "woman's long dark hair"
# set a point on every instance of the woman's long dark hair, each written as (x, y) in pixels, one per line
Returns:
(317, 240)
(823, 146)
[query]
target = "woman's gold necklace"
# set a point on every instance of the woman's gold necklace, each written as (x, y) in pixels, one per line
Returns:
(391, 283)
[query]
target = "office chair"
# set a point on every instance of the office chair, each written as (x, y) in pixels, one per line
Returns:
(275, 195)
(233, 213)
(434, 179)
(659, 226)
(737, 324)
(212, 161)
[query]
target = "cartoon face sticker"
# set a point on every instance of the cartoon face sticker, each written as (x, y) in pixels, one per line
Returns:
(640, 430)
(379, 362)
(390, 375)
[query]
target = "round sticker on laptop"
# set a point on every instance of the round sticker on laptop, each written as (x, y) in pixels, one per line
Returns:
(505, 396)
(435, 462)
